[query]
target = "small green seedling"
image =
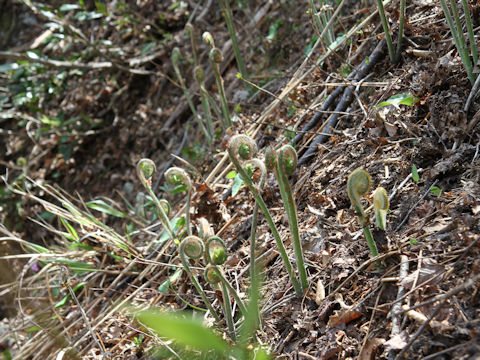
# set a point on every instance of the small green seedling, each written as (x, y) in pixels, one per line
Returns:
(359, 184)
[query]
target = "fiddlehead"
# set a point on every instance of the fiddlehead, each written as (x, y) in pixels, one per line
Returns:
(240, 149)
(145, 170)
(192, 248)
(208, 39)
(216, 251)
(380, 206)
(359, 184)
(176, 176)
(213, 274)
(284, 163)
(216, 57)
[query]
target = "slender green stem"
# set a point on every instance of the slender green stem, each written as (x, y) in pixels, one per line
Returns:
(190, 31)
(199, 76)
(227, 308)
(253, 231)
(285, 163)
(216, 57)
(192, 246)
(471, 35)
(214, 273)
(176, 176)
(358, 184)
(225, 4)
(243, 147)
(401, 27)
(457, 38)
(145, 171)
(386, 29)
(370, 241)
(212, 276)
(178, 74)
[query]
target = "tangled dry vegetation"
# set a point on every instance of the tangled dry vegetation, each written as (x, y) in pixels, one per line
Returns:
(79, 242)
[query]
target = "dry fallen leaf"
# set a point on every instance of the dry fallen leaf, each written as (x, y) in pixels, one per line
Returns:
(369, 350)
(397, 342)
(343, 317)
(430, 273)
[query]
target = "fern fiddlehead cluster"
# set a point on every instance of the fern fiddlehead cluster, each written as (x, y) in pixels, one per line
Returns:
(359, 184)
(242, 148)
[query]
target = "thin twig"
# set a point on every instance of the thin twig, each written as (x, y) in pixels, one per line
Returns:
(420, 330)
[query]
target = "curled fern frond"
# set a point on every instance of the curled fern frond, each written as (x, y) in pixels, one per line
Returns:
(380, 206)
(242, 147)
(145, 170)
(208, 39)
(176, 176)
(359, 184)
(216, 55)
(216, 251)
(238, 158)
(192, 248)
(288, 159)
(212, 274)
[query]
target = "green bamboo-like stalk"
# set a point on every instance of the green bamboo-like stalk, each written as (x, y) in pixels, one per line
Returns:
(284, 164)
(242, 148)
(178, 74)
(386, 29)
(176, 176)
(216, 57)
(322, 20)
(471, 35)
(225, 4)
(359, 183)
(458, 39)
(192, 246)
(145, 170)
